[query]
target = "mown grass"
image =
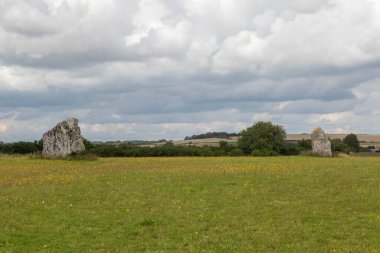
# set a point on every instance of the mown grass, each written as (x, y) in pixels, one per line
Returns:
(279, 204)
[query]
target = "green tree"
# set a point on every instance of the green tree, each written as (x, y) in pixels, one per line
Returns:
(262, 139)
(290, 148)
(39, 145)
(226, 147)
(352, 141)
(304, 145)
(337, 145)
(87, 144)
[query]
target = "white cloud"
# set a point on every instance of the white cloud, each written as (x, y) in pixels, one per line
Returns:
(20, 79)
(148, 17)
(130, 131)
(3, 128)
(341, 35)
(333, 117)
(159, 67)
(262, 117)
(30, 19)
(340, 130)
(282, 106)
(240, 52)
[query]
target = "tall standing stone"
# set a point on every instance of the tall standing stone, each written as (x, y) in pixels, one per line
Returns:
(320, 143)
(63, 140)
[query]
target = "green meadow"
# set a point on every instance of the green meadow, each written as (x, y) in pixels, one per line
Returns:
(224, 204)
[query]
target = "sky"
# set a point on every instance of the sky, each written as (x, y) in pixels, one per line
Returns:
(154, 69)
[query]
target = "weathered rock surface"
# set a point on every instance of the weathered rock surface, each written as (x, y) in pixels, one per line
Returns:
(63, 140)
(320, 143)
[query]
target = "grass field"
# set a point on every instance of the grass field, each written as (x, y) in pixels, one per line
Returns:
(279, 204)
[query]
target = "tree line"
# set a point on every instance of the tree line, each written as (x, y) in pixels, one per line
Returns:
(222, 135)
(261, 139)
(21, 147)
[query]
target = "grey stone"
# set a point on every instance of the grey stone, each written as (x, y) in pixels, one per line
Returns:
(63, 140)
(320, 143)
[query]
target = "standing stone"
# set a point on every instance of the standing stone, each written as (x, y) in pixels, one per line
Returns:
(320, 142)
(63, 140)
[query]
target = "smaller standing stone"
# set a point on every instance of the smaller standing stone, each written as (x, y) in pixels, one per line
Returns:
(63, 140)
(320, 143)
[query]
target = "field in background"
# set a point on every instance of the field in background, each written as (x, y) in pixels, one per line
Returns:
(244, 204)
(365, 140)
(202, 142)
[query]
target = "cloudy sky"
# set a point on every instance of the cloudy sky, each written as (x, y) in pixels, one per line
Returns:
(151, 69)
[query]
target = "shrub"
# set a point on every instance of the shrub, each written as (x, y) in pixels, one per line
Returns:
(263, 152)
(291, 149)
(236, 152)
(21, 147)
(337, 145)
(263, 138)
(352, 142)
(304, 145)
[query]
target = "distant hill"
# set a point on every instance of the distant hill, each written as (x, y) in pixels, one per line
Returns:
(131, 142)
(199, 140)
(222, 135)
(362, 137)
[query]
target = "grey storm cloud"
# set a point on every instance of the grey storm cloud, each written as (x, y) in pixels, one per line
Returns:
(149, 69)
